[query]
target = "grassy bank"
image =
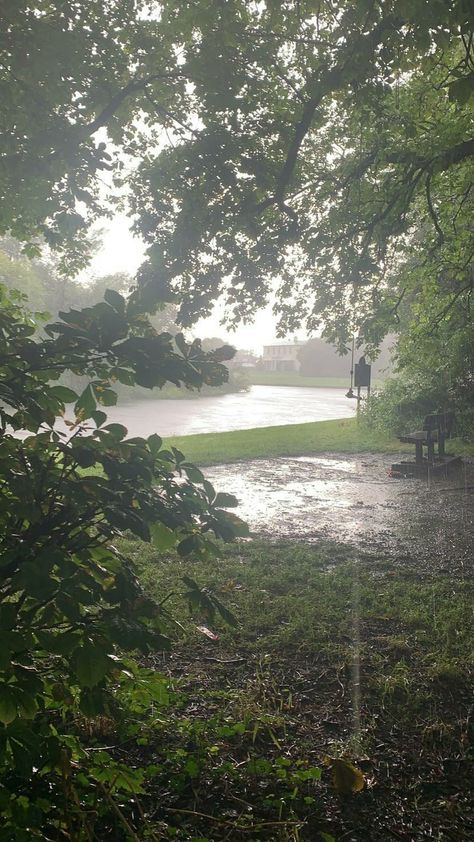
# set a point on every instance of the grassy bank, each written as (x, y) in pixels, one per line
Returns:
(344, 436)
(291, 378)
(335, 654)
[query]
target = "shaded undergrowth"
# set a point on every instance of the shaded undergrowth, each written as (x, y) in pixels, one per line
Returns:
(336, 656)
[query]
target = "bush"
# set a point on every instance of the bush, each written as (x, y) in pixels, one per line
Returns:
(73, 616)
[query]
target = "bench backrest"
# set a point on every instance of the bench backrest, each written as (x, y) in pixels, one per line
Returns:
(441, 421)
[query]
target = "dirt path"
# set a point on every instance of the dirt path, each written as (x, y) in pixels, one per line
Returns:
(352, 499)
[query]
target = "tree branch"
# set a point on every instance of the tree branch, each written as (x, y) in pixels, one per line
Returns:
(323, 82)
(133, 87)
(432, 211)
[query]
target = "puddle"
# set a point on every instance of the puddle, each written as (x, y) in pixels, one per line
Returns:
(353, 500)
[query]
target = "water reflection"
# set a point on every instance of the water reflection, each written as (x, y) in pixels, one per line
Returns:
(353, 499)
(262, 406)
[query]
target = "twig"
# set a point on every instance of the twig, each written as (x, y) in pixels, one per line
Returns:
(233, 825)
(119, 813)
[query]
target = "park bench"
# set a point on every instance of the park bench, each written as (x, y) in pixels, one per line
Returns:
(436, 429)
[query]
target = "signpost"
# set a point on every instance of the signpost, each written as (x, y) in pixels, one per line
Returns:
(360, 378)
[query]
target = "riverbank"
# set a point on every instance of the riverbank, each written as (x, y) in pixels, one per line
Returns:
(344, 435)
(292, 378)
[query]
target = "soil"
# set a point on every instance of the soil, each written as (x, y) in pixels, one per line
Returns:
(352, 499)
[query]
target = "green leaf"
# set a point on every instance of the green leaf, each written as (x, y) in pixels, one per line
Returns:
(461, 90)
(346, 778)
(112, 297)
(224, 500)
(162, 537)
(193, 473)
(91, 664)
(86, 404)
(154, 443)
(118, 431)
(8, 705)
(63, 394)
(238, 526)
(106, 397)
(99, 417)
(188, 545)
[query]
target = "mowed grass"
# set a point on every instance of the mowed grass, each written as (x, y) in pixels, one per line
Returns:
(292, 378)
(345, 435)
(342, 436)
(294, 597)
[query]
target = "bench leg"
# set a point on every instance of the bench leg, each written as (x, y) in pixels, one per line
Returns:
(430, 444)
(441, 450)
(418, 452)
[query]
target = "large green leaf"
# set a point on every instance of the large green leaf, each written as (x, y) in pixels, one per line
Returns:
(86, 404)
(8, 704)
(91, 663)
(162, 537)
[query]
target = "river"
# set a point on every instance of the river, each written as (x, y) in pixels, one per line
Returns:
(261, 406)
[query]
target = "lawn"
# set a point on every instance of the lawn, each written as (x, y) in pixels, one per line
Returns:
(292, 378)
(341, 436)
(337, 658)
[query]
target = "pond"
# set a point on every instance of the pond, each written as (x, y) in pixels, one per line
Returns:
(261, 406)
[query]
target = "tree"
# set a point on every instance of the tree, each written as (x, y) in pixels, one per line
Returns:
(325, 148)
(318, 359)
(324, 145)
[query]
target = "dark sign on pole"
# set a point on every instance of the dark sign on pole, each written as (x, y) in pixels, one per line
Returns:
(362, 374)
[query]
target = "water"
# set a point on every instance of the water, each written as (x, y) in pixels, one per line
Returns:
(351, 498)
(261, 406)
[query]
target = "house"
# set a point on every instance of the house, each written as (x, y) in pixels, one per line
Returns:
(282, 356)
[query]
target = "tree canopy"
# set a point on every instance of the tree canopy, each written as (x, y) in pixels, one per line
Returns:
(322, 147)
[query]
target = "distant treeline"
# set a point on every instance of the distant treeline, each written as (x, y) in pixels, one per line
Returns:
(318, 359)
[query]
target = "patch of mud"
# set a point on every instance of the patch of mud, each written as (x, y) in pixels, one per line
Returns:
(352, 499)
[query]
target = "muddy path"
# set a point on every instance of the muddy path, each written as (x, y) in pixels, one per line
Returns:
(352, 499)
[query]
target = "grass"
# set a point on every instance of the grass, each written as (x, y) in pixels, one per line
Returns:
(292, 378)
(301, 598)
(264, 703)
(345, 435)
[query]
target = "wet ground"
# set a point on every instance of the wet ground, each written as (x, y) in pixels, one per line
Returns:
(352, 499)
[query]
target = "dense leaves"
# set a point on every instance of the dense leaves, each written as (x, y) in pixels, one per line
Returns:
(71, 605)
(322, 149)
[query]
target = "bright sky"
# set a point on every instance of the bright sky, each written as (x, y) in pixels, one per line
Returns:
(122, 252)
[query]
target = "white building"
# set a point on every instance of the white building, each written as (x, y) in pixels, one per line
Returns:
(281, 356)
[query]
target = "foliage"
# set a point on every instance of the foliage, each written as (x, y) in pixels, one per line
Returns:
(435, 373)
(325, 148)
(335, 159)
(318, 359)
(327, 145)
(72, 608)
(47, 291)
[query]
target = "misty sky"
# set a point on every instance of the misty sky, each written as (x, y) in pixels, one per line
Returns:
(122, 252)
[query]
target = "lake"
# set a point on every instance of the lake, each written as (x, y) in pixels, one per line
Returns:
(261, 406)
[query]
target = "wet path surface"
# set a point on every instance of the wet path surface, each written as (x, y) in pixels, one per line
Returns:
(352, 499)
